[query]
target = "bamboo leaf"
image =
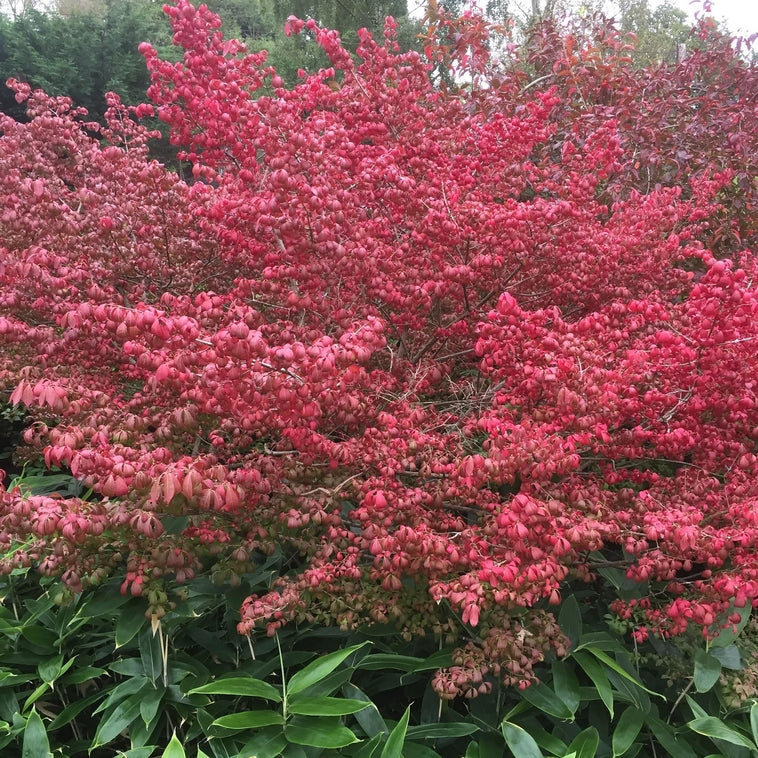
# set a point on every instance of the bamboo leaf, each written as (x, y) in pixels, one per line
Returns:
(316, 671)
(521, 743)
(242, 686)
(35, 744)
(394, 745)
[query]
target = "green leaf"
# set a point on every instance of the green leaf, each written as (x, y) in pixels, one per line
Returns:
(249, 720)
(728, 635)
(547, 742)
(728, 656)
(36, 695)
(570, 619)
(608, 661)
(325, 706)
(150, 703)
(543, 698)
(440, 730)
(370, 719)
(243, 686)
(396, 739)
(268, 743)
(598, 676)
(697, 711)
(116, 720)
(566, 685)
(370, 748)
(123, 690)
(438, 660)
(81, 675)
(665, 735)
(715, 728)
(50, 669)
(707, 671)
(130, 621)
(585, 744)
(754, 721)
(521, 743)
(151, 654)
(626, 731)
(174, 749)
(319, 733)
(40, 638)
(384, 661)
(131, 667)
(418, 750)
(317, 670)
(70, 712)
(35, 744)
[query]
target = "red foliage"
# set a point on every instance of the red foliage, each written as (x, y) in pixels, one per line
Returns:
(441, 348)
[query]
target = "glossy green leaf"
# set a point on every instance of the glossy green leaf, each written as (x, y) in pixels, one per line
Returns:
(566, 685)
(615, 666)
(325, 706)
(241, 686)
(570, 619)
(440, 730)
(370, 748)
(130, 621)
(319, 733)
(384, 661)
(715, 728)
(370, 719)
(267, 743)
(36, 695)
(626, 730)
(174, 749)
(151, 701)
(117, 719)
(249, 720)
(40, 638)
(81, 675)
(521, 743)
(544, 699)
(599, 678)
(754, 721)
(438, 660)
(151, 654)
(697, 710)
(121, 691)
(728, 635)
(316, 671)
(585, 744)
(675, 747)
(50, 669)
(418, 750)
(131, 667)
(728, 656)
(707, 671)
(35, 744)
(70, 712)
(394, 745)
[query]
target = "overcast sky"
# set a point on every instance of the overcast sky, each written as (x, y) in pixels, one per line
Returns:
(740, 16)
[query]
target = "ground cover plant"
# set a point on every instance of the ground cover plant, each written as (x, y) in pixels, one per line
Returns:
(452, 357)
